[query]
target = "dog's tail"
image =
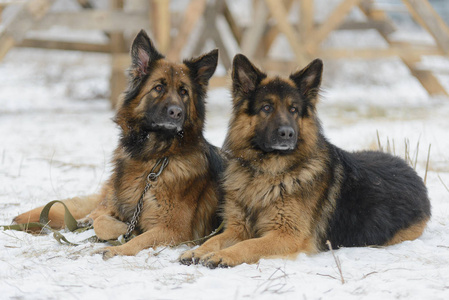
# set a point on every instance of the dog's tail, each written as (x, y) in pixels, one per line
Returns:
(79, 207)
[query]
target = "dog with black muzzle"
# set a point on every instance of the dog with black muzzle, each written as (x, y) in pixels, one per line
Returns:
(164, 186)
(289, 190)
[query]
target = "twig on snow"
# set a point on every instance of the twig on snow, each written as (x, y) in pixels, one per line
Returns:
(337, 261)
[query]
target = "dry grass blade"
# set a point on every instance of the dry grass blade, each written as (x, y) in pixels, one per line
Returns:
(427, 165)
(416, 156)
(337, 261)
(378, 141)
(445, 186)
(412, 160)
(407, 151)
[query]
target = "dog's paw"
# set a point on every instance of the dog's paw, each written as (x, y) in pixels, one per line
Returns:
(188, 258)
(107, 252)
(193, 256)
(218, 259)
(85, 222)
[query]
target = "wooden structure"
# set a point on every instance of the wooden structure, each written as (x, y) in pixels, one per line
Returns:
(173, 31)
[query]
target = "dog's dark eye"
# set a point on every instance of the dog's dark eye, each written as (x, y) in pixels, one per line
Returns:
(159, 88)
(183, 91)
(293, 110)
(267, 108)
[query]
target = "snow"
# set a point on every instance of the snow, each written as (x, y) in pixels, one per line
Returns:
(56, 141)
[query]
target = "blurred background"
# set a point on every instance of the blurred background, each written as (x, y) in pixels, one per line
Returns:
(361, 41)
(386, 61)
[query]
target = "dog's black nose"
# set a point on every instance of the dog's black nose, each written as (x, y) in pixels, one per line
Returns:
(174, 112)
(286, 132)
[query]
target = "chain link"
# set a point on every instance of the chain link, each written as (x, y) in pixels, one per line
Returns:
(152, 176)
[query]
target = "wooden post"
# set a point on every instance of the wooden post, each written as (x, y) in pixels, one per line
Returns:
(24, 20)
(210, 31)
(306, 19)
(280, 14)
(235, 29)
(191, 16)
(253, 35)
(270, 36)
(425, 77)
(410, 58)
(424, 13)
(119, 60)
(332, 22)
(160, 15)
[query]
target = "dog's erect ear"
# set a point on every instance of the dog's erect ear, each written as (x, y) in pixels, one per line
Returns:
(245, 76)
(143, 53)
(308, 80)
(203, 67)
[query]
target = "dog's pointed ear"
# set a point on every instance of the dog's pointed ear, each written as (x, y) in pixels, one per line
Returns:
(308, 80)
(203, 67)
(143, 53)
(245, 76)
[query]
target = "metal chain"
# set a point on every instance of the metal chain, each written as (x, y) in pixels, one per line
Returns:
(152, 176)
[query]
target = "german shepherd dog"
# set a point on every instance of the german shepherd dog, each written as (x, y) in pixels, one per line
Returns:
(161, 116)
(289, 190)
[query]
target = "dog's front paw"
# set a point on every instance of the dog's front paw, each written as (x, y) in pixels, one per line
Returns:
(85, 222)
(192, 256)
(219, 259)
(188, 258)
(107, 252)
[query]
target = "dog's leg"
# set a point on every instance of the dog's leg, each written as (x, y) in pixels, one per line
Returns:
(154, 237)
(229, 237)
(107, 227)
(250, 251)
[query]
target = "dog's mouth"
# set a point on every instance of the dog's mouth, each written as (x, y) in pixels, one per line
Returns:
(282, 148)
(167, 127)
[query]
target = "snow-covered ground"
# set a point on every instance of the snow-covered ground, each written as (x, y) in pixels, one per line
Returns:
(56, 140)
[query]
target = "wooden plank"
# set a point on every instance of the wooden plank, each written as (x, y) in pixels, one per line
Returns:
(423, 12)
(410, 58)
(280, 14)
(160, 15)
(119, 60)
(425, 77)
(373, 53)
(73, 46)
(210, 31)
(6, 43)
(380, 25)
(113, 20)
(253, 35)
(24, 20)
(270, 36)
(333, 21)
(306, 20)
(192, 15)
(375, 15)
(235, 28)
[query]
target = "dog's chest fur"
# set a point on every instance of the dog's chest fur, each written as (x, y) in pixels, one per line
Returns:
(168, 190)
(283, 201)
